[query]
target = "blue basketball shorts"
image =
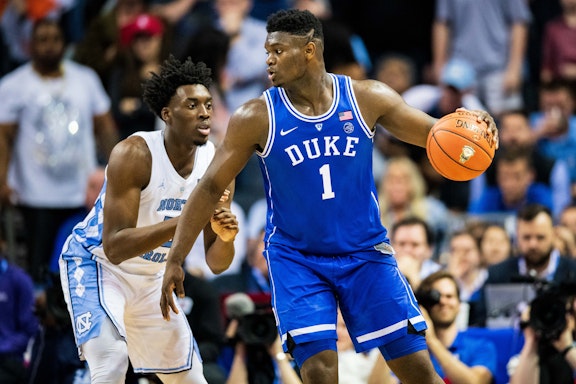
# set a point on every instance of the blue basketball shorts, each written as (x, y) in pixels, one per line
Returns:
(376, 301)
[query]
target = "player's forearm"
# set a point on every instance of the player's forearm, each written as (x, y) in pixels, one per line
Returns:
(132, 242)
(196, 213)
(220, 256)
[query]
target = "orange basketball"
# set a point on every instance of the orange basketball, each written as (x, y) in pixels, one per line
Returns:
(458, 147)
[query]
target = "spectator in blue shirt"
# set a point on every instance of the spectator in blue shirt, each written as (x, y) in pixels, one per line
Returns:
(455, 354)
(515, 187)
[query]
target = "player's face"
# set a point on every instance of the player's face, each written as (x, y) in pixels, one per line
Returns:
(285, 57)
(188, 114)
(535, 239)
(445, 312)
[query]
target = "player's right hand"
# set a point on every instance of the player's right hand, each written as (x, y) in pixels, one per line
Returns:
(173, 281)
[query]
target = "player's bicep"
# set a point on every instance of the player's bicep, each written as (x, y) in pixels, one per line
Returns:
(127, 173)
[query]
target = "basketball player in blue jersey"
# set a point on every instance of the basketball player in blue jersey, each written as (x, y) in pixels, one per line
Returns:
(112, 264)
(325, 245)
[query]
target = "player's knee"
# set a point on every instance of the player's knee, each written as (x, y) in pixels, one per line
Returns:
(303, 352)
(109, 364)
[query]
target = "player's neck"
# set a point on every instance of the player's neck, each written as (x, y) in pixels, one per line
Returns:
(313, 95)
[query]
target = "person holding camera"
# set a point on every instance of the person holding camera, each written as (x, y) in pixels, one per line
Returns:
(457, 356)
(544, 361)
(538, 259)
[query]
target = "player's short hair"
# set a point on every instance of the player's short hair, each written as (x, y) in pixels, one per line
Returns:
(295, 22)
(159, 89)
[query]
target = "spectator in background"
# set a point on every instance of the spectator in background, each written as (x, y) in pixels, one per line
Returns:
(17, 19)
(516, 134)
(99, 47)
(246, 75)
(515, 187)
(145, 45)
(558, 48)
(566, 231)
(456, 356)
(499, 30)
(55, 124)
(536, 255)
(18, 323)
(568, 217)
(464, 263)
(210, 45)
(402, 193)
(554, 125)
(397, 71)
(544, 361)
(413, 243)
(495, 245)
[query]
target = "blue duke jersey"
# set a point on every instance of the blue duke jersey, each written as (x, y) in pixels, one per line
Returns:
(163, 198)
(318, 176)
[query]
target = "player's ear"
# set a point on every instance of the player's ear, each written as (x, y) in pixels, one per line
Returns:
(165, 114)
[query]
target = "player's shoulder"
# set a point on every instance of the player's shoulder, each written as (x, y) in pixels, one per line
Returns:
(253, 111)
(370, 88)
(131, 159)
(132, 148)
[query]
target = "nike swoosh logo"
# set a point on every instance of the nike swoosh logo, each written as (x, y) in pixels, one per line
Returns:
(285, 132)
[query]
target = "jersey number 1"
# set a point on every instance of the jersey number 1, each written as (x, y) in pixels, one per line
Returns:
(326, 182)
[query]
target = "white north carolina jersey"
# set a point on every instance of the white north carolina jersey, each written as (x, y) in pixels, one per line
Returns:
(163, 198)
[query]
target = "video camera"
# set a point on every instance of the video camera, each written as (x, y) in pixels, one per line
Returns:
(257, 325)
(427, 299)
(549, 308)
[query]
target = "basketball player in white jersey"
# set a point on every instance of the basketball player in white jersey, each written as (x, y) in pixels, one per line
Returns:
(113, 263)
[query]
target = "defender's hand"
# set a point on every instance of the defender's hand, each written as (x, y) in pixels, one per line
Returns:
(173, 281)
(224, 224)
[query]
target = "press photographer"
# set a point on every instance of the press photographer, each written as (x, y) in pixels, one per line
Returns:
(258, 355)
(549, 353)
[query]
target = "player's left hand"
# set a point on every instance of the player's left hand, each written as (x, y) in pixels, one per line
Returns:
(492, 130)
(173, 281)
(224, 224)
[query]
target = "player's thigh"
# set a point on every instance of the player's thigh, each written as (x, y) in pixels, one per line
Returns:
(377, 303)
(303, 298)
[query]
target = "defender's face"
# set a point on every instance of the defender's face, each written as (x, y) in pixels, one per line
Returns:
(285, 57)
(189, 112)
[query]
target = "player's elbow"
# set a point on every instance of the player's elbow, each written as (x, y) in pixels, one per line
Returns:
(113, 254)
(218, 266)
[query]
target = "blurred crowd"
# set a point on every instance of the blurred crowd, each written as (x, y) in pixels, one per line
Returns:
(70, 89)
